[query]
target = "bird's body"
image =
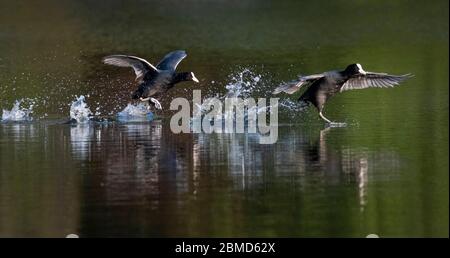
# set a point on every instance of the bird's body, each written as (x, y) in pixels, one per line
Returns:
(154, 82)
(154, 85)
(321, 87)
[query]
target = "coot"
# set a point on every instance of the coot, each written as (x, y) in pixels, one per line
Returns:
(154, 81)
(321, 87)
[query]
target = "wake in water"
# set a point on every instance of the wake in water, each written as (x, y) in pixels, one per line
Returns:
(82, 114)
(245, 83)
(18, 113)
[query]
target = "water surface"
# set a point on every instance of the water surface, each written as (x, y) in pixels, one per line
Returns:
(385, 173)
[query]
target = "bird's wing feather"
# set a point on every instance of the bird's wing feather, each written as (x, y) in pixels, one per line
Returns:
(171, 60)
(293, 86)
(139, 65)
(373, 80)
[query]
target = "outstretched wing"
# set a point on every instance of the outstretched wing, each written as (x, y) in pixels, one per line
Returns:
(139, 65)
(373, 80)
(171, 60)
(293, 86)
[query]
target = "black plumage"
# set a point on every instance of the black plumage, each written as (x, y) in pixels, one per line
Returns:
(153, 81)
(321, 87)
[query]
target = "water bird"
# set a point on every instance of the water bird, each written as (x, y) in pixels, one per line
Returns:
(321, 87)
(154, 81)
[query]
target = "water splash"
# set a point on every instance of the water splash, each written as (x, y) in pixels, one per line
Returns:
(79, 111)
(292, 107)
(135, 113)
(243, 84)
(18, 113)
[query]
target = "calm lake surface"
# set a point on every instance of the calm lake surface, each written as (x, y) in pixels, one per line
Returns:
(386, 173)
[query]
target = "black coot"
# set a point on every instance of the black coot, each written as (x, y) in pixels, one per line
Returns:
(153, 81)
(325, 85)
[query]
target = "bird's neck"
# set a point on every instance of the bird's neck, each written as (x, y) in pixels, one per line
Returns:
(180, 77)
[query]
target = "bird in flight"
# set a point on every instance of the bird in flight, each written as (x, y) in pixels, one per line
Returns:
(154, 81)
(321, 87)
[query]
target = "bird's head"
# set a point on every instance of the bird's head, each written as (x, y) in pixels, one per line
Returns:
(354, 69)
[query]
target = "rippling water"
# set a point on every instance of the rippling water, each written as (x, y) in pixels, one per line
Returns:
(120, 171)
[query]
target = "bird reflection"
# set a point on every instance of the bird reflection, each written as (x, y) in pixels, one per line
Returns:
(146, 167)
(351, 162)
(134, 163)
(307, 155)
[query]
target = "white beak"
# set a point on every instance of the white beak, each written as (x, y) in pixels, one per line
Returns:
(360, 69)
(194, 78)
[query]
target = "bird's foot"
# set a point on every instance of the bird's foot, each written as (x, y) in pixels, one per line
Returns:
(330, 123)
(324, 118)
(155, 102)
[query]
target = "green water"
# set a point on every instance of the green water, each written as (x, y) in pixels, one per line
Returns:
(385, 173)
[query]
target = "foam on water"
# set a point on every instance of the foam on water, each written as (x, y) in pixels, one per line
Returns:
(135, 113)
(79, 111)
(18, 113)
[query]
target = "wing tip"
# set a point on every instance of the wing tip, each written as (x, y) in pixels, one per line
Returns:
(109, 59)
(180, 51)
(105, 59)
(279, 89)
(286, 88)
(404, 77)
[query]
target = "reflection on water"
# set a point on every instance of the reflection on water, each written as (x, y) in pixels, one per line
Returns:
(124, 176)
(39, 194)
(81, 139)
(386, 173)
(19, 132)
(140, 179)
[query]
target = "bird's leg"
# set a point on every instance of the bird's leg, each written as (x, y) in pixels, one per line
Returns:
(145, 101)
(324, 118)
(155, 102)
(331, 124)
